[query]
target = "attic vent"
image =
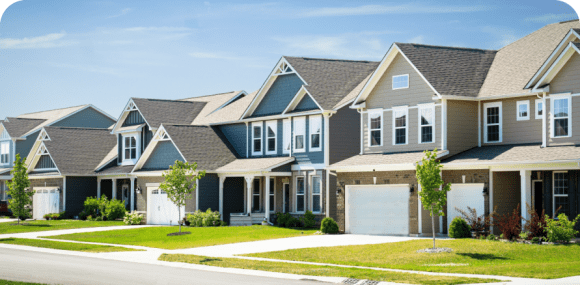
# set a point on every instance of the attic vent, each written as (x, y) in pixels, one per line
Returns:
(131, 107)
(284, 68)
(162, 135)
(42, 150)
(44, 136)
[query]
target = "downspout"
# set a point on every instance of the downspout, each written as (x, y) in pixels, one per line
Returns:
(361, 129)
(247, 142)
(479, 123)
(544, 113)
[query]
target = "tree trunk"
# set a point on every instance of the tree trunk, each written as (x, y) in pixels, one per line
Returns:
(433, 226)
(179, 220)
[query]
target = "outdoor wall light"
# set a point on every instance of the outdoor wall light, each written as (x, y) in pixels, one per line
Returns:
(412, 188)
(485, 190)
(138, 190)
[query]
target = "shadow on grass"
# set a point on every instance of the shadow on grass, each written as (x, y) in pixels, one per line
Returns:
(209, 260)
(483, 256)
(7, 239)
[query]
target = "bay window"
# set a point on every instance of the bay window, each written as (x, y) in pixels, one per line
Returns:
(376, 128)
(257, 138)
(271, 134)
(400, 124)
(560, 109)
(300, 194)
(315, 132)
(426, 123)
(299, 134)
(492, 122)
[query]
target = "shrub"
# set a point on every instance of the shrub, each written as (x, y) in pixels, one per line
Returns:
(475, 222)
(204, 219)
(223, 224)
(510, 224)
(535, 226)
(132, 218)
(524, 235)
(328, 226)
(115, 209)
(536, 240)
(292, 222)
(91, 206)
(491, 237)
(281, 218)
(83, 215)
(47, 216)
(56, 216)
(459, 228)
(561, 230)
(308, 220)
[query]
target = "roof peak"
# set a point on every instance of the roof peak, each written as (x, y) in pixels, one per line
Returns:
(329, 59)
(76, 128)
(52, 110)
(446, 47)
(235, 91)
(162, 100)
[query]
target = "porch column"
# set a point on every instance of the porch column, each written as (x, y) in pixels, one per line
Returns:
(132, 194)
(249, 185)
(99, 188)
(267, 199)
(114, 181)
(526, 192)
(222, 179)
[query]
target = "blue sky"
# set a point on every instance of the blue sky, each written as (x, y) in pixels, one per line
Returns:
(64, 53)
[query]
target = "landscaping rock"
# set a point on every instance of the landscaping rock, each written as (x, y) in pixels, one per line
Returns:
(434, 250)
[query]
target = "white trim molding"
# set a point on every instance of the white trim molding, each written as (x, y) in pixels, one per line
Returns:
(486, 124)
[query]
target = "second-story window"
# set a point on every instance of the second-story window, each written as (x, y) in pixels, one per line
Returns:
(130, 148)
(560, 116)
(316, 194)
(376, 128)
(539, 109)
(400, 115)
(315, 132)
(492, 122)
(426, 123)
(401, 81)
(271, 132)
(257, 138)
(299, 133)
(523, 110)
(4, 152)
(287, 139)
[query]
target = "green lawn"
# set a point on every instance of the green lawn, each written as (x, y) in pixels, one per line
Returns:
(65, 245)
(468, 256)
(314, 270)
(157, 236)
(43, 225)
(8, 282)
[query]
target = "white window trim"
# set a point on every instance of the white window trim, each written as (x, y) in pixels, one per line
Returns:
(286, 135)
(261, 126)
(284, 197)
(422, 107)
(128, 161)
(312, 193)
(557, 195)
(369, 114)
(299, 120)
(552, 118)
(274, 126)
(397, 76)
(272, 179)
(538, 116)
(312, 119)
(3, 143)
(485, 107)
(395, 110)
(296, 194)
(259, 195)
(527, 103)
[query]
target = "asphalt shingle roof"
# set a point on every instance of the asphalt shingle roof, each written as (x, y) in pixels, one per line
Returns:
(116, 169)
(515, 153)
(379, 159)
(450, 70)
(330, 80)
(16, 127)
(256, 164)
(157, 112)
(78, 150)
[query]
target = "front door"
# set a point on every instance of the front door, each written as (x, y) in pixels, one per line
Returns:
(286, 198)
(538, 201)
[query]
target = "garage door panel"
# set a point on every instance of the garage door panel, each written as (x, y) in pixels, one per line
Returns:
(161, 210)
(462, 196)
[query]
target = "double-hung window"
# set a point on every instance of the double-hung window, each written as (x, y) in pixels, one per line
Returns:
(299, 134)
(271, 195)
(400, 124)
(315, 127)
(427, 123)
(300, 194)
(4, 152)
(492, 122)
(256, 196)
(401, 81)
(287, 139)
(130, 148)
(316, 196)
(271, 137)
(539, 109)
(560, 109)
(523, 110)
(257, 138)
(560, 193)
(376, 128)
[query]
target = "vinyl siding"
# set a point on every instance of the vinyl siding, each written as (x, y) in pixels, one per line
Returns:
(133, 118)
(44, 162)
(209, 192)
(24, 147)
(77, 191)
(575, 128)
(344, 128)
(461, 126)
(306, 104)
(87, 118)
(279, 95)
(236, 136)
(568, 79)
(164, 155)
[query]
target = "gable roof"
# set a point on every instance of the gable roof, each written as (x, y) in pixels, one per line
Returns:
(330, 80)
(450, 70)
(570, 49)
(157, 111)
(216, 103)
(16, 127)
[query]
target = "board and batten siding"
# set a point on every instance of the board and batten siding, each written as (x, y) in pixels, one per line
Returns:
(514, 131)
(279, 95)
(461, 125)
(164, 155)
(568, 79)
(87, 118)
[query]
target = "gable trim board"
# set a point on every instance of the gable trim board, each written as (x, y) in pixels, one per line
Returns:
(31, 164)
(160, 135)
(558, 64)
(298, 98)
(124, 115)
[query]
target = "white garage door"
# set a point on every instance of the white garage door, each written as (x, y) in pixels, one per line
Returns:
(45, 201)
(377, 209)
(160, 210)
(463, 195)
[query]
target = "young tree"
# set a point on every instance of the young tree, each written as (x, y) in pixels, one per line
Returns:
(429, 177)
(20, 198)
(179, 183)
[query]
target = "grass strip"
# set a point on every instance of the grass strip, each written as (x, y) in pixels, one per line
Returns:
(65, 245)
(316, 270)
(43, 225)
(8, 282)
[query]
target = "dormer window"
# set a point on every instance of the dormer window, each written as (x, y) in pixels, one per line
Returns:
(130, 148)
(4, 152)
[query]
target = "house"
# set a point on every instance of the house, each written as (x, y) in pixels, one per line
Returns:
(485, 113)
(18, 135)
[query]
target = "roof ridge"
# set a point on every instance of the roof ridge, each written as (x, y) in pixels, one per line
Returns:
(448, 47)
(329, 59)
(167, 100)
(36, 119)
(557, 23)
(76, 128)
(53, 110)
(238, 91)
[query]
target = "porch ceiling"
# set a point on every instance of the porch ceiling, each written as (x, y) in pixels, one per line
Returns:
(378, 161)
(255, 164)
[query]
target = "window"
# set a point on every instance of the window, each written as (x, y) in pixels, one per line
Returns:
(4, 152)
(560, 117)
(299, 133)
(316, 197)
(561, 192)
(287, 140)
(401, 81)
(492, 128)
(271, 132)
(539, 109)
(426, 123)
(315, 131)
(272, 195)
(257, 138)
(256, 196)
(376, 128)
(3, 190)
(523, 110)
(299, 194)
(400, 115)
(130, 148)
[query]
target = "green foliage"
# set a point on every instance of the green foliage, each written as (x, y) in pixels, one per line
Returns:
(83, 215)
(524, 235)
(103, 209)
(281, 218)
(179, 183)
(562, 229)
(536, 240)
(328, 226)
(205, 219)
(475, 222)
(459, 228)
(115, 209)
(535, 226)
(288, 221)
(21, 199)
(308, 220)
(491, 237)
(47, 216)
(133, 218)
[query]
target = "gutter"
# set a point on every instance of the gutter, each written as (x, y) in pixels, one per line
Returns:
(495, 97)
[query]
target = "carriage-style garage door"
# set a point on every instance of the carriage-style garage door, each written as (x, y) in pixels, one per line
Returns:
(377, 209)
(45, 201)
(463, 195)
(160, 210)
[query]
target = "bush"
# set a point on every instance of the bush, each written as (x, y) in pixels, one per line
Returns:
(281, 218)
(536, 240)
(535, 226)
(83, 215)
(204, 219)
(115, 209)
(524, 235)
(47, 216)
(328, 226)
(132, 218)
(308, 220)
(459, 228)
(561, 230)
(510, 224)
(475, 222)
(491, 237)
(292, 222)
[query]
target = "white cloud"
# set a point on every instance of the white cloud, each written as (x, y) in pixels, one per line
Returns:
(417, 40)
(46, 41)
(157, 29)
(395, 9)
(551, 18)
(122, 13)
(214, 55)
